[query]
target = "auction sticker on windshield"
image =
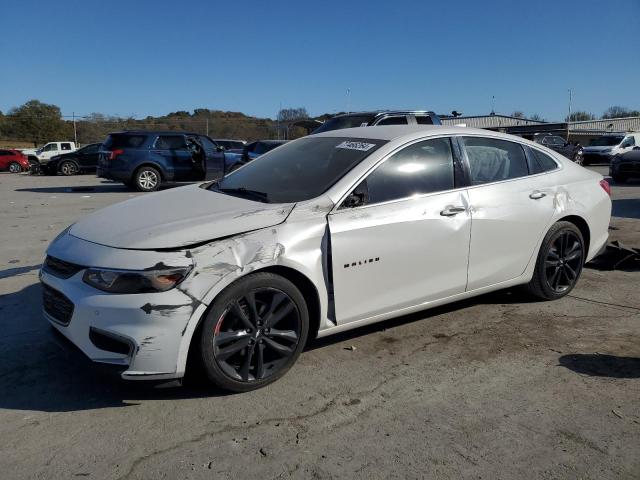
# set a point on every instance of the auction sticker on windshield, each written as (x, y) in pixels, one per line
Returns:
(363, 147)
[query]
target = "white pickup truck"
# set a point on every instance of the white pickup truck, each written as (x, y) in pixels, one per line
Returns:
(44, 153)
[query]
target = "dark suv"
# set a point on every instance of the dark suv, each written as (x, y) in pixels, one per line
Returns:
(144, 160)
(573, 151)
(379, 117)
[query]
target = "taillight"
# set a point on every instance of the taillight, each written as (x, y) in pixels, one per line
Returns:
(114, 153)
(605, 186)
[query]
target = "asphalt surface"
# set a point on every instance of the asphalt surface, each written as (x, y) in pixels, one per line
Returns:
(498, 387)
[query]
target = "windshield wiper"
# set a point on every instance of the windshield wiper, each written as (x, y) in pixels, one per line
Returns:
(242, 191)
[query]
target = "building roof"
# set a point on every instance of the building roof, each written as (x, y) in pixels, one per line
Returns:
(490, 121)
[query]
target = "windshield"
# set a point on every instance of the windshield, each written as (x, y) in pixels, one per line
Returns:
(606, 141)
(347, 121)
(298, 171)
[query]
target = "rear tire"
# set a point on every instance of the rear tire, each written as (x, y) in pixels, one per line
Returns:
(68, 168)
(147, 179)
(559, 262)
(243, 347)
(15, 167)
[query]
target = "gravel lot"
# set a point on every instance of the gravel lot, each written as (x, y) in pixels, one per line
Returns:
(495, 387)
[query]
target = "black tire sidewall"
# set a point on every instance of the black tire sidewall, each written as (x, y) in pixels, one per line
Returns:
(553, 233)
(212, 317)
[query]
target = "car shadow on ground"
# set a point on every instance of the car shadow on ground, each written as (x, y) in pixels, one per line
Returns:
(626, 208)
(12, 272)
(42, 371)
(597, 365)
(101, 188)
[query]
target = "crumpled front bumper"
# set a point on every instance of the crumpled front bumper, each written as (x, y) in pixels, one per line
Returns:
(146, 330)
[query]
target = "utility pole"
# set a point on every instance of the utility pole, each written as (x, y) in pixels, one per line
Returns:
(348, 100)
(207, 126)
(75, 132)
(569, 117)
(493, 105)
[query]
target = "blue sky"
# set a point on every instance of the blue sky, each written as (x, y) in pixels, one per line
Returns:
(142, 57)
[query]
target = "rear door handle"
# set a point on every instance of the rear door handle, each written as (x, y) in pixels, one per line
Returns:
(537, 195)
(450, 211)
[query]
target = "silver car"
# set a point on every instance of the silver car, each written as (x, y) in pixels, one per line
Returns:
(326, 233)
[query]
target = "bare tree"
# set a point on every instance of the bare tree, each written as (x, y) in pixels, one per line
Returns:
(617, 111)
(579, 117)
(518, 114)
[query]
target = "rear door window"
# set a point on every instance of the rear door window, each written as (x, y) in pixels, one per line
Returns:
(171, 142)
(424, 120)
(116, 141)
(494, 160)
(393, 121)
(424, 167)
(65, 146)
(541, 162)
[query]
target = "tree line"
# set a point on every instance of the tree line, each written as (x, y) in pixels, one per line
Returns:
(615, 111)
(37, 122)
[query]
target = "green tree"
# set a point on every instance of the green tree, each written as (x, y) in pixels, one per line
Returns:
(617, 111)
(38, 122)
(579, 117)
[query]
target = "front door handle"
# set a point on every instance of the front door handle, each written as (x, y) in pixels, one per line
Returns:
(537, 195)
(450, 211)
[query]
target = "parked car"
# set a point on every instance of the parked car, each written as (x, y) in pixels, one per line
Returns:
(326, 233)
(44, 153)
(625, 166)
(604, 148)
(234, 158)
(573, 151)
(13, 161)
(229, 144)
(83, 160)
(379, 117)
(145, 159)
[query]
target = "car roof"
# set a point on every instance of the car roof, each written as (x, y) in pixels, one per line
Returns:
(155, 132)
(384, 112)
(394, 132)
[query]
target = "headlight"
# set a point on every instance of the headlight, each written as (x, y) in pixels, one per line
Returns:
(135, 281)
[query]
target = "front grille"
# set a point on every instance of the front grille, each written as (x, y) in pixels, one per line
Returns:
(60, 268)
(594, 157)
(57, 306)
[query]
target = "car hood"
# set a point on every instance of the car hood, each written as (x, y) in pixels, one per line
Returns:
(177, 218)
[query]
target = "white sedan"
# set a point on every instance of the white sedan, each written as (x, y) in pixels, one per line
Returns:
(324, 234)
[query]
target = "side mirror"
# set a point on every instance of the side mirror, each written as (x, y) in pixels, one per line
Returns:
(354, 199)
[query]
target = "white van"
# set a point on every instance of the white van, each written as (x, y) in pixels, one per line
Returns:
(604, 148)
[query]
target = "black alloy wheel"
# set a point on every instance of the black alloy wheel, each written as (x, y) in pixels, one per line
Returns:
(15, 167)
(559, 263)
(564, 261)
(254, 332)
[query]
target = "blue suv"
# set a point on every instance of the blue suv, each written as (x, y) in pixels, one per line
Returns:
(145, 159)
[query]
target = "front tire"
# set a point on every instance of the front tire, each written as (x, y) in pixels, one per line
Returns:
(147, 179)
(254, 332)
(559, 262)
(578, 159)
(15, 167)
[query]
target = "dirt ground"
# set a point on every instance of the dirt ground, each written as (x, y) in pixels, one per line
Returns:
(498, 387)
